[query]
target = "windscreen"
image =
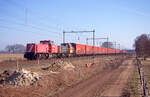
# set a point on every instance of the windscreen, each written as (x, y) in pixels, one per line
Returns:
(64, 48)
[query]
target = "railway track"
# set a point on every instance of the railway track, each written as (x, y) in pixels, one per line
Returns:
(50, 60)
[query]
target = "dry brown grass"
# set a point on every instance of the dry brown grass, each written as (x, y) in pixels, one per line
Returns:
(11, 57)
(146, 69)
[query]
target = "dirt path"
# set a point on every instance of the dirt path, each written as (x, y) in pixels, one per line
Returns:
(108, 83)
(116, 87)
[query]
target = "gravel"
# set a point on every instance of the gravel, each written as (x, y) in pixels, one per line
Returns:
(21, 77)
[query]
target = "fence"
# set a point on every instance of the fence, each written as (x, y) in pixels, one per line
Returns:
(142, 79)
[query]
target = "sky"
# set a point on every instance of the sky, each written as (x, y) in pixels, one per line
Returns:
(27, 21)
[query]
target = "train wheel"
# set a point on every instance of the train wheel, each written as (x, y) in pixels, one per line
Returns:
(36, 56)
(44, 56)
(47, 56)
(40, 56)
(31, 57)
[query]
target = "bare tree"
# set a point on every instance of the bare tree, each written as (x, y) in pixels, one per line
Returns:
(107, 44)
(16, 48)
(10, 48)
(142, 45)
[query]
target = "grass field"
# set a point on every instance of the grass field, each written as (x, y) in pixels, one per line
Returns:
(11, 57)
(134, 84)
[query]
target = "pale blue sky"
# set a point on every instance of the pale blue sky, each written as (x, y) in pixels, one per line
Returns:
(23, 21)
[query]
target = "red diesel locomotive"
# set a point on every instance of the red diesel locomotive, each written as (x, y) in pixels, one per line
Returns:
(42, 50)
(46, 49)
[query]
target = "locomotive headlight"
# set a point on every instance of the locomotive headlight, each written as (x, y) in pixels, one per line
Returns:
(71, 51)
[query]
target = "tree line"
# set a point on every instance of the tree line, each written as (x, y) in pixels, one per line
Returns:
(15, 48)
(142, 45)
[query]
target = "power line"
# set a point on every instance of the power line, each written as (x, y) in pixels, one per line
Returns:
(26, 10)
(29, 25)
(32, 26)
(36, 33)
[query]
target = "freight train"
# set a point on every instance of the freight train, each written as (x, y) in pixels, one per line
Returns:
(47, 49)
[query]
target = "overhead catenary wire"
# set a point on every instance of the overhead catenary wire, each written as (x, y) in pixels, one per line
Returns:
(50, 33)
(56, 34)
(37, 33)
(31, 26)
(27, 11)
(16, 29)
(77, 37)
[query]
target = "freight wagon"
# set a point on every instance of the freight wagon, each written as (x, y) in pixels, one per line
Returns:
(73, 49)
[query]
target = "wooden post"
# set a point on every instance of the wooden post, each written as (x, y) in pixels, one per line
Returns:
(17, 64)
(38, 62)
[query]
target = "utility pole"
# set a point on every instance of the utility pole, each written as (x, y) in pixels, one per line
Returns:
(119, 46)
(63, 36)
(93, 45)
(107, 44)
(86, 41)
(115, 48)
(100, 43)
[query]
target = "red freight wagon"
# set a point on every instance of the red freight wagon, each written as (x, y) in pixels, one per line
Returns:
(96, 50)
(123, 51)
(80, 49)
(70, 49)
(44, 49)
(108, 50)
(73, 49)
(104, 50)
(117, 51)
(89, 49)
(99, 50)
(111, 51)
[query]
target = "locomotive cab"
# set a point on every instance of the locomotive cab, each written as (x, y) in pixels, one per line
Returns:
(47, 42)
(68, 49)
